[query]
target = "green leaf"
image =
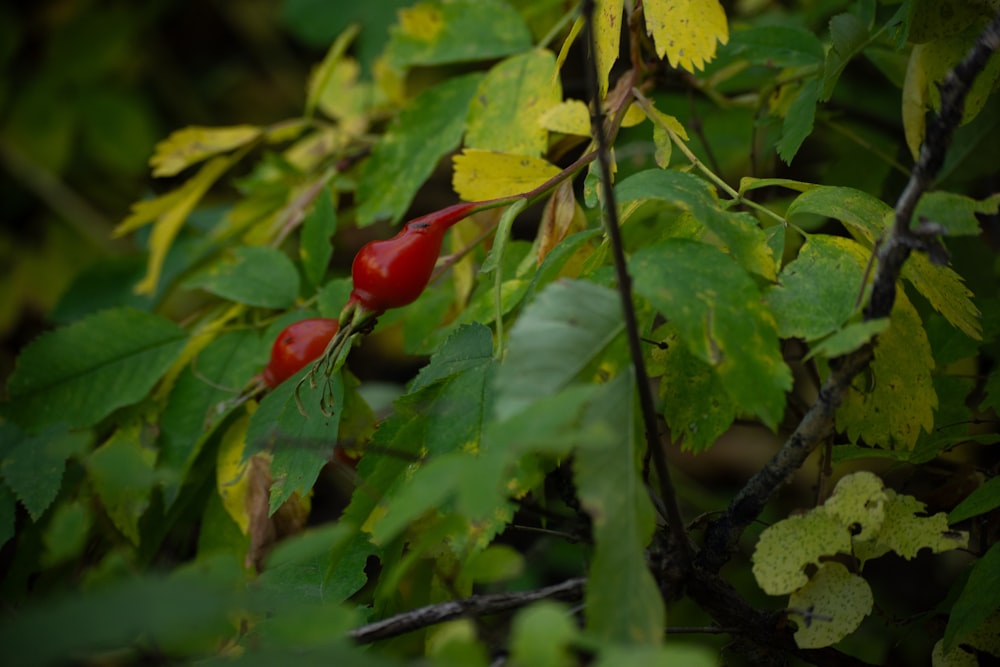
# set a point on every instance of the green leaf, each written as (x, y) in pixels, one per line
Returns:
(864, 215)
(867, 218)
(902, 401)
(817, 292)
(315, 246)
(719, 314)
(542, 635)
(78, 375)
(799, 120)
(839, 599)
(467, 349)
(955, 212)
(568, 327)
(694, 401)
(66, 534)
(192, 613)
(200, 400)
(557, 259)
(445, 411)
(254, 275)
(932, 19)
(776, 46)
(848, 339)
(300, 444)
(32, 466)
(975, 604)
(8, 509)
(505, 113)
(498, 562)
(850, 36)
(435, 32)
(739, 232)
(623, 602)
(121, 472)
(429, 128)
(984, 499)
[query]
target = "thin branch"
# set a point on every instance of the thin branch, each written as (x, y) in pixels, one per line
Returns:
(478, 605)
(901, 239)
(667, 492)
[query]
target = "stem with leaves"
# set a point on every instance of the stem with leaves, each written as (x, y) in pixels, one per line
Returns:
(653, 443)
(891, 253)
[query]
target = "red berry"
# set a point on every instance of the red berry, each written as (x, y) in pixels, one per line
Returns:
(297, 345)
(393, 273)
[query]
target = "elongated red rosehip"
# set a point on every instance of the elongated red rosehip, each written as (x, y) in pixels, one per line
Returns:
(394, 272)
(297, 345)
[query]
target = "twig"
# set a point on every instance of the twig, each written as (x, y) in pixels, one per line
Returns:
(477, 605)
(667, 493)
(818, 423)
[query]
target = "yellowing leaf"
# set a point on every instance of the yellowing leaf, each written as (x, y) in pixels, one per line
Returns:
(858, 501)
(686, 31)
(568, 117)
(663, 126)
(486, 175)
(906, 533)
(170, 211)
(190, 145)
(231, 472)
(833, 605)
(915, 101)
(900, 398)
(787, 547)
(423, 21)
(607, 38)
(504, 113)
(946, 292)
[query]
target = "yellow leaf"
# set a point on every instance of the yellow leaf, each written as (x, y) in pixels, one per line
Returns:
(915, 101)
(231, 472)
(607, 38)
(169, 212)
(837, 601)
(568, 117)
(686, 31)
(190, 145)
(422, 21)
(483, 175)
(787, 547)
(633, 115)
(574, 32)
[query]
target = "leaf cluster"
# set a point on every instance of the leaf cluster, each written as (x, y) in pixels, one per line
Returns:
(752, 167)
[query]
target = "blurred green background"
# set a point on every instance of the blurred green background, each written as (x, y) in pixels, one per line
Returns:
(89, 87)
